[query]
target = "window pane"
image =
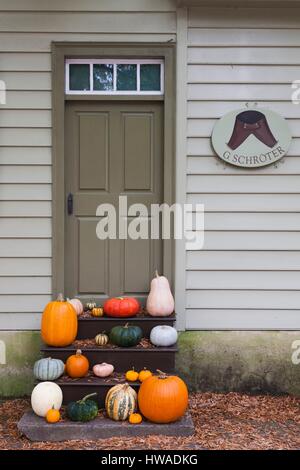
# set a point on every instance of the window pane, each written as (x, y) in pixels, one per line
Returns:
(126, 77)
(79, 77)
(103, 77)
(150, 77)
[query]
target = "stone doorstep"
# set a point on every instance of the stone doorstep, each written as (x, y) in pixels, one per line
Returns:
(37, 429)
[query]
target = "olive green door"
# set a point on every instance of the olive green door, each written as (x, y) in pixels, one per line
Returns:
(112, 149)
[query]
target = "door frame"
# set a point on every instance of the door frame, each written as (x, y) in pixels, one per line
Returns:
(64, 50)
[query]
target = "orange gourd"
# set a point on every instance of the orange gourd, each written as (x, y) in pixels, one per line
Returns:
(77, 365)
(135, 418)
(144, 374)
(59, 323)
(52, 416)
(162, 398)
(132, 375)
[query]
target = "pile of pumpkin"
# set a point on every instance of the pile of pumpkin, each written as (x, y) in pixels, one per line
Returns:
(160, 399)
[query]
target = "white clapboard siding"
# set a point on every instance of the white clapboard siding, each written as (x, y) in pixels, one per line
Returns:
(27, 100)
(271, 74)
(25, 267)
(244, 55)
(242, 240)
(216, 109)
(25, 118)
(243, 260)
(28, 42)
(255, 319)
(201, 37)
(20, 321)
(238, 92)
(26, 35)
(89, 22)
(246, 202)
(256, 18)
(25, 248)
(25, 174)
(25, 156)
(16, 61)
(239, 289)
(26, 80)
(25, 227)
(279, 299)
(25, 285)
(243, 184)
(25, 192)
(89, 5)
(251, 221)
(25, 208)
(253, 280)
(215, 166)
(25, 303)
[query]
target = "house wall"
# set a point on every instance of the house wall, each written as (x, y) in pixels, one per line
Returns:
(247, 275)
(26, 31)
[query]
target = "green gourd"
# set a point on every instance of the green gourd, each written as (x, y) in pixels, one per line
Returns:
(48, 369)
(83, 410)
(126, 336)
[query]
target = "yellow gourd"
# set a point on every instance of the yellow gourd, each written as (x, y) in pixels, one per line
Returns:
(132, 375)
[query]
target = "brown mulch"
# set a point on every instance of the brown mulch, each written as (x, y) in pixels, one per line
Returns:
(91, 343)
(222, 421)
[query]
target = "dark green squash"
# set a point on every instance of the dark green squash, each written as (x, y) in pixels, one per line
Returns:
(126, 336)
(83, 410)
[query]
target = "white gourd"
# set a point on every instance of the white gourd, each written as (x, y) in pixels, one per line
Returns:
(103, 370)
(163, 336)
(46, 395)
(160, 301)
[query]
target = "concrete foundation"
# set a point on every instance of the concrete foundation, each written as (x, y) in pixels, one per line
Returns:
(221, 361)
(242, 361)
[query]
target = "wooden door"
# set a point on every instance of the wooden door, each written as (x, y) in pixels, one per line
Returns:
(111, 149)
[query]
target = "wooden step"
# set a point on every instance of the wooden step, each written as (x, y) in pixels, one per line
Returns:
(121, 358)
(88, 327)
(75, 389)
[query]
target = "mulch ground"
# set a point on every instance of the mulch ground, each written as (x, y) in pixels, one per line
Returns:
(222, 421)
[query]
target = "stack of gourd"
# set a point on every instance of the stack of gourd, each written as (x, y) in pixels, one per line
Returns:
(161, 398)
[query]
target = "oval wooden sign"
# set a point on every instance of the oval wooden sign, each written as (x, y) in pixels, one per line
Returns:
(251, 138)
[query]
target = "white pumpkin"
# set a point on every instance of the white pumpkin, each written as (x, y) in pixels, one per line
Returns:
(77, 305)
(44, 396)
(160, 301)
(163, 335)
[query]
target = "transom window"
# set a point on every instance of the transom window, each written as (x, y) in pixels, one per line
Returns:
(114, 76)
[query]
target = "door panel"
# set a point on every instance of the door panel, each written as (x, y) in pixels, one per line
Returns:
(112, 149)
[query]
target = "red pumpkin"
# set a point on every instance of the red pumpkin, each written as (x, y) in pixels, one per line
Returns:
(121, 307)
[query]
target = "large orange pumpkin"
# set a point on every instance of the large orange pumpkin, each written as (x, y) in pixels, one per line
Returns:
(77, 365)
(59, 323)
(162, 398)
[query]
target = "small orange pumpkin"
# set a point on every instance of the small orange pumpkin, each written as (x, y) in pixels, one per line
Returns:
(59, 323)
(144, 374)
(135, 418)
(77, 365)
(162, 398)
(132, 375)
(52, 415)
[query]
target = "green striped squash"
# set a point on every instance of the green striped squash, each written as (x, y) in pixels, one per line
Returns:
(120, 402)
(48, 369)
